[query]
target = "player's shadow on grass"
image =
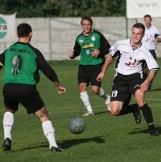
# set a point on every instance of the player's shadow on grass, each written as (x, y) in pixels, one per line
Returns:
(102, 112)
(32, 147)
(139, 130)
(72, 142)
(64, 144)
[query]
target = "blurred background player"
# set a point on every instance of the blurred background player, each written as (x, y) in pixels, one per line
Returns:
(22, 63)
(151, 39)
(92, 47)
(129, 76)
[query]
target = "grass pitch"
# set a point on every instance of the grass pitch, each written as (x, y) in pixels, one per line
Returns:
(106, 138)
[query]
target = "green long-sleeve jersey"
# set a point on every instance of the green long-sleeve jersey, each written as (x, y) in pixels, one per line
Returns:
(84, 46)
(22, 63)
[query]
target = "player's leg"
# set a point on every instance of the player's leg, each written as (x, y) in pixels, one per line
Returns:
(85, 99)
(120, 108)
(116, 107)
(133, 108)
(147, 113)
(83, 81)
(120, 92)
(48, 129)
(11, 97)
(34, 104)
(100, 91)
(8, 121)
(96, 85)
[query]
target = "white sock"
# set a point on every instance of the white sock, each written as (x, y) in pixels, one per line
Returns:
(84, 97)
(49, 132)
(103, 94)
(8, 121)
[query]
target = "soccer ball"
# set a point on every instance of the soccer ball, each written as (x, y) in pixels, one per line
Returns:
(76, 125)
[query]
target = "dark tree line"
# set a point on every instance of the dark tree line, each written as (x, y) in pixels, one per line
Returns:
(63, 8)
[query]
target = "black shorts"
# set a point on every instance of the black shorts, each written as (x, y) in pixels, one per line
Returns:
(88, 74)
(124, 86)
(27, 95)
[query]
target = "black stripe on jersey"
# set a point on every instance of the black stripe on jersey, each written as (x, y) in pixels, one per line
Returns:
(117, 54)
(155, 69)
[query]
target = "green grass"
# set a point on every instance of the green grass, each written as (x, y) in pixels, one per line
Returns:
(106, 138)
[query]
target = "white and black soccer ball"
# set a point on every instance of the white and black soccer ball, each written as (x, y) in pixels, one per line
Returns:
(76, 125)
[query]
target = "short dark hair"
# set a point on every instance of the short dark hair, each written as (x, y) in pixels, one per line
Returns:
(148, 16)
(88, 19)
(139, 25)
(23, 30)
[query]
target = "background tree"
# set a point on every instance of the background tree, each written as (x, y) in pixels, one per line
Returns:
(61, 8)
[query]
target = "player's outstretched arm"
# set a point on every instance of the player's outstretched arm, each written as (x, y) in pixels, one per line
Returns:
(105, 66)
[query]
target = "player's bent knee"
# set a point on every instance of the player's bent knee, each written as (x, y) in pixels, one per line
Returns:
(115, 112)
(42, 114)
(96, 90)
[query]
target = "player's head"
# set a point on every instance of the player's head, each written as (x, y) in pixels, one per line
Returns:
(24, 30)
(147, 20)
(87, 23)
(138, 30)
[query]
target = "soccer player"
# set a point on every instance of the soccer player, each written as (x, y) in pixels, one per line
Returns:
(22, 63)
(151, 38)
(129, 76)
(92, 47)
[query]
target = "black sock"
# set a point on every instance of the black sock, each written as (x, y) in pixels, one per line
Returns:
(147, 113)
(128, 109)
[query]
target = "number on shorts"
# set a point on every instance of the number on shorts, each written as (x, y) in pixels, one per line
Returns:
(114, 93)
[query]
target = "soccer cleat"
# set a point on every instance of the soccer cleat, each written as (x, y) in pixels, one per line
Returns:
(6, 145)
(88, 114)
(56, 149)
(137, 116)
(107, 102)
(154, 132)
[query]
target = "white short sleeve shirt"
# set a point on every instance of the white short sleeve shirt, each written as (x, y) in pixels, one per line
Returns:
(130, 61)
(149, 37)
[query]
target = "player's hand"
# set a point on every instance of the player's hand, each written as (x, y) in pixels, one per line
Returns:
(61, 90)
(71, 53)
(100, 76)
(95, 53)
(155, 41)
(144, 86)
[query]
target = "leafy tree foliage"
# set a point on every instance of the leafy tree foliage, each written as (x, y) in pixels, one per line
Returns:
(63, 8)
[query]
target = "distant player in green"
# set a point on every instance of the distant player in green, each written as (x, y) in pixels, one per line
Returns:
(22, 63)
(92, 47)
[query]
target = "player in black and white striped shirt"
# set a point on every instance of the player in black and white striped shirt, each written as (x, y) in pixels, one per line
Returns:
(129, 77)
